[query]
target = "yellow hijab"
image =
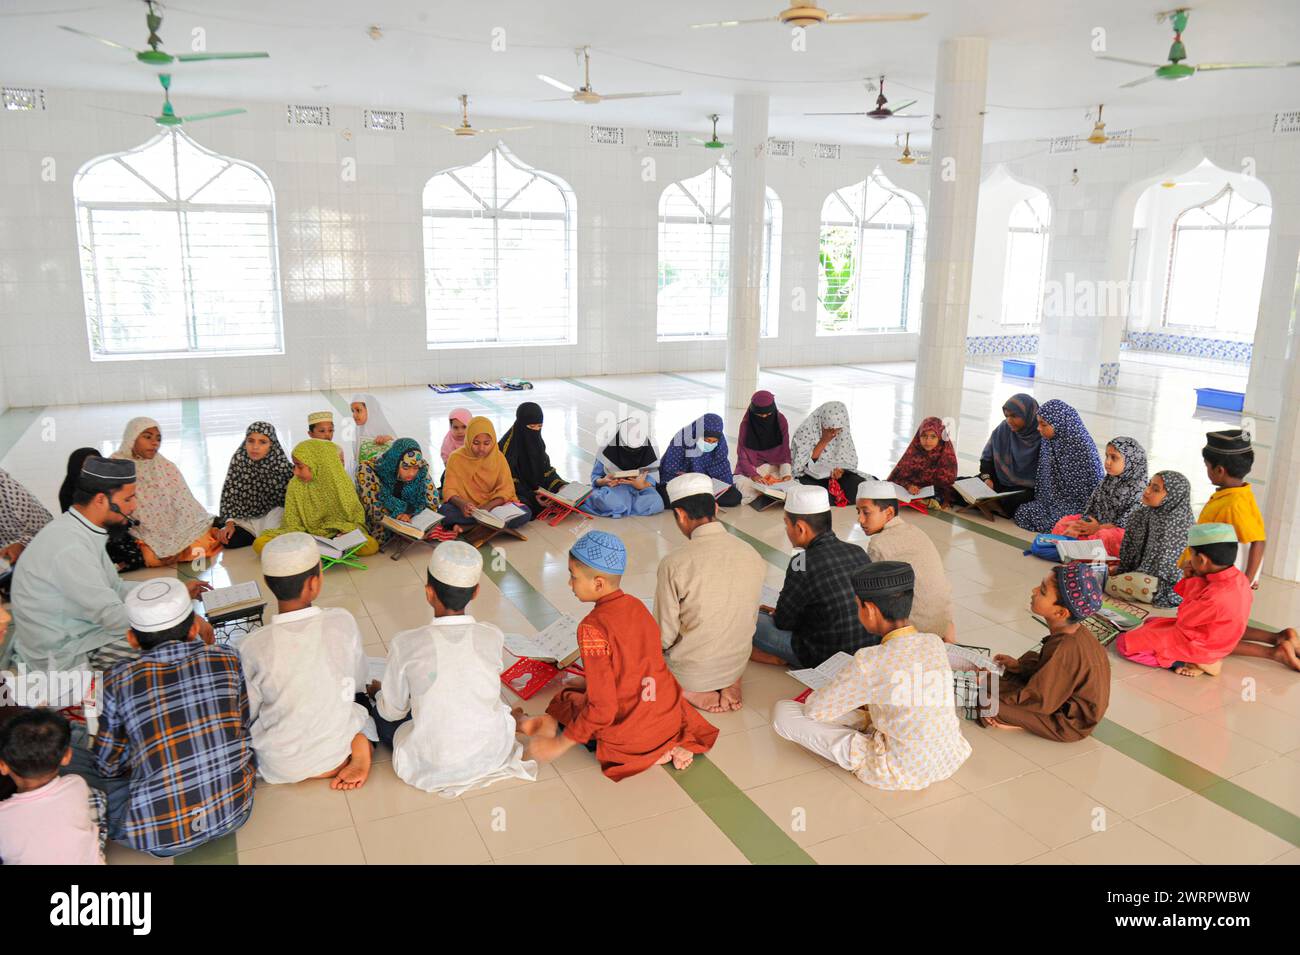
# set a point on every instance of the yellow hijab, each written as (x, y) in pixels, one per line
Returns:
(478, 480)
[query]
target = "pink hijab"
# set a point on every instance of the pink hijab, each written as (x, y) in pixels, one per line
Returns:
(451, 443)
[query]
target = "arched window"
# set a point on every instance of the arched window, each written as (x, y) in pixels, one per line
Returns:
(499, 255)
(1022, 283)
(695, 256)
(872, 258)
(178, 252)
(1216, 267)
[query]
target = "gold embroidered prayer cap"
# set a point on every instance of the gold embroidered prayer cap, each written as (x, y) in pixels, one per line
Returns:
(688, 485)
(1231, 441)
(1201, 534)
(456, 564)
(290, 554)
(158, 605)
(318, 417)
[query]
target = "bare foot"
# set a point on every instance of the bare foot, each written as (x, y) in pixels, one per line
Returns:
(730, 697)
(681, 757)
(354, 772)
(1285, 654)
(710, 701)
(1200, 669)
(758, 656)
(544, 726)
(1289, 635)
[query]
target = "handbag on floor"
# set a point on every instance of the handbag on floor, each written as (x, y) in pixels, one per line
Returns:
(1044, 547)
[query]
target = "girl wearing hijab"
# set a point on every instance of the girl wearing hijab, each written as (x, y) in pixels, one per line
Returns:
(763, 448)
(478, 476)
(625, 496)
(396, 484)
(173, 526)
(930, 459)
(1010, 458)
(457, 423)
(1119, 492)
(374, 433)
(700, 448)
(525, 452)
(252, 499)
(1069, 469)
(123, 549)
(822, 453)
(1154, 539)
(320, 500)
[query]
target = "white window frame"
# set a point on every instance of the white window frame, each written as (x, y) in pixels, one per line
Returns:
(861, 221)
(1043, 229)
(718, 223)
(85, 210)
(496, 211)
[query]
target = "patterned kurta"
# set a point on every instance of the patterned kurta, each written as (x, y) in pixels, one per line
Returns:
(912, 737)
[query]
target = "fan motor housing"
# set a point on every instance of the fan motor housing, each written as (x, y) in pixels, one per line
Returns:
(1175, 71)
(802, 16)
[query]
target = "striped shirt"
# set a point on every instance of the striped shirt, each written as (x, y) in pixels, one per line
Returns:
(176, 720)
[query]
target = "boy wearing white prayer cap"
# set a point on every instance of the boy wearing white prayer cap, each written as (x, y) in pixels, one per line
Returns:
(706, 599)
(816, 615)
(175, 722)
(439, 704)
(305, 670)
(892, 538)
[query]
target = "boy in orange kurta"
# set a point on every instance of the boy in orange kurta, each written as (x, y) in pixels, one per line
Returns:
(630, 710)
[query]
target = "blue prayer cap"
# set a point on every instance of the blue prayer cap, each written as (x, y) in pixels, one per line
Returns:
(601, 550)
(1078, 589)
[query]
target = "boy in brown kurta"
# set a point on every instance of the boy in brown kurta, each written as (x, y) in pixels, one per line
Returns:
(630, 710)
(1060, 692)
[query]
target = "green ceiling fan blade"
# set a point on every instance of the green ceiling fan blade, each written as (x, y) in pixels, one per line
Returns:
(1246, 66)
(99, 39)
(899, 109)
(1123, 59)
(196, 117)
(1137, 82)
(195, 57)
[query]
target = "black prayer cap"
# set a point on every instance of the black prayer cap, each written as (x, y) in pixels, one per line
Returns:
(1231, 441)
(883, 577)
(106, 474)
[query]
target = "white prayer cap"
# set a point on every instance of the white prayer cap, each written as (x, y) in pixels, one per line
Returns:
(158, 604)
(456, 564)
(686, 485)
(290, 554)
(807, 499)
(878, 490)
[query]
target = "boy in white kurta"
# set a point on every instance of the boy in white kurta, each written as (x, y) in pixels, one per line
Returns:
(910, 736)
(439, 705)
(303, 671)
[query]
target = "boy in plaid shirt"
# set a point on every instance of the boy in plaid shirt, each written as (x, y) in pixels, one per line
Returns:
(175, 720)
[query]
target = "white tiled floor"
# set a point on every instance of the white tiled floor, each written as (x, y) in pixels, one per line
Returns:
(1083, 803)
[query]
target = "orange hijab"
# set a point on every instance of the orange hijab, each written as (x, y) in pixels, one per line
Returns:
(478, 480)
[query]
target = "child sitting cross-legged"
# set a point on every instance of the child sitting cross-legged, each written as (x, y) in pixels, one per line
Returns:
(630, 711)
(298, 667)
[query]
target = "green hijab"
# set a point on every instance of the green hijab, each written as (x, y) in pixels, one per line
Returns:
(327, 505)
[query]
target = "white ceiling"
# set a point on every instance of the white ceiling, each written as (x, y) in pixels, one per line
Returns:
(1042, 73)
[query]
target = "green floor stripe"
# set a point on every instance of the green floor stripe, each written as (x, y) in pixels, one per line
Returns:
(784, 374)
(221, 851)
(14, 424)
(752, 831)
(609, 394)
(690, 381)
(981, 527)
(773, 555)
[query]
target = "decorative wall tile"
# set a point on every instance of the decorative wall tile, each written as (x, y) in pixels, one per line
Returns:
(1193, 345)
(1108, 375)
(1002, 345)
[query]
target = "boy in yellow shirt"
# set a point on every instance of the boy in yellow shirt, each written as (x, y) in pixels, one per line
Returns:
(1228, 459)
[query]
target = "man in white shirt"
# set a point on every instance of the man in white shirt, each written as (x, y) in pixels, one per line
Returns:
(439, 705)
(303, 672)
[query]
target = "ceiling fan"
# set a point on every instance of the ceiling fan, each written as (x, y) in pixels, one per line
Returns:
(1098, 136)
(715, 142)
(882, 111)
(907, 159)
(585, 93)
(1176, 69)
(806, 15)
(168, 118)
(153, 56)
(465, 129)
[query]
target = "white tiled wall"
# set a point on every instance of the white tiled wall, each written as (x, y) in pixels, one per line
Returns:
(365, 325)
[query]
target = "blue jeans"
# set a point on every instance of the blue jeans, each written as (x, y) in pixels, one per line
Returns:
(116, 790)
(771, 639)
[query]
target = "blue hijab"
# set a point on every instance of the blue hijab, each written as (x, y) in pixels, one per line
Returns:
(1015, 453)
(1069, 470)
(402, 497)
(684, 456)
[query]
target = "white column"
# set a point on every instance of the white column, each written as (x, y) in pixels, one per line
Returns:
(1282, 505)
(748, 187)
(955, 153)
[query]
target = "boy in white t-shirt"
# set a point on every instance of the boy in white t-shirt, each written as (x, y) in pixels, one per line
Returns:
(49, 820)
(303, 671)
(440, 705)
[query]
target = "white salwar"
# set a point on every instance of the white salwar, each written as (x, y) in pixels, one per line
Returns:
(257, 526)
(461, 735)
(303, 670)
(749, 488)
(910, 736)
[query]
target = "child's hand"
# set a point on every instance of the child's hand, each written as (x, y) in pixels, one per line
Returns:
(639, 482)
(205, 631)
(372, 688)
(837, 473)
(1010, 663)
(404, 518)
